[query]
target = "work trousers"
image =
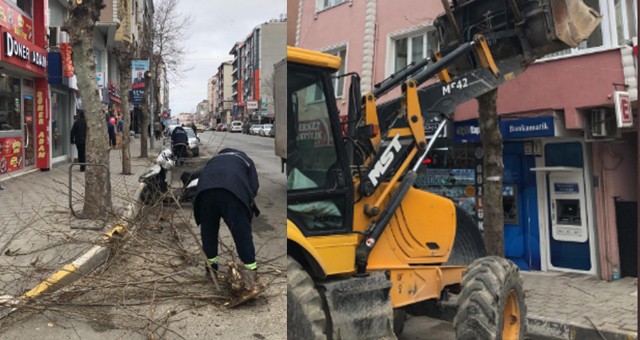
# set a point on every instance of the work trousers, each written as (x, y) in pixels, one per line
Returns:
(220, 203)
(82, 155)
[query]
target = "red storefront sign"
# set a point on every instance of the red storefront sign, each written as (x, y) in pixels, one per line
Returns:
(23, 53)
(42, 125)
(67, 62)
(623, 109)
(11, 154)
(18, 24)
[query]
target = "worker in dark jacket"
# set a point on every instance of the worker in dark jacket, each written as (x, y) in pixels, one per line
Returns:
(79, 137)
(227, 186)
(179, 142)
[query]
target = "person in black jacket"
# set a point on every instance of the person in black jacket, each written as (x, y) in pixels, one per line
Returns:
(227, 186)
(179, 142)
(79, 137)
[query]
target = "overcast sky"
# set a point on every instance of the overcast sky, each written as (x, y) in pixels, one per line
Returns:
(216, 26)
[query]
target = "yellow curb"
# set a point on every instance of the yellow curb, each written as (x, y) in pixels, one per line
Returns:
(49, 283)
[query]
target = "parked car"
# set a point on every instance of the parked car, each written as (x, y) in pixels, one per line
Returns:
(222, 127)
(236, 126)
(194, 142)
(255, 129)
(246, 127)
(200, 127)
(265, 130)
(272, 132)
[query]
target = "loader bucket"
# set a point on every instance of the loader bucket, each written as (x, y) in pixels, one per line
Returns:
(527, 28)
(573, 21)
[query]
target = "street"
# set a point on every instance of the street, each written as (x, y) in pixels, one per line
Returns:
(153, 285)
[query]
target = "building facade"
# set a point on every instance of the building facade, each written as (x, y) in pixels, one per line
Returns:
(25, 120)
(253, 71)
(224, 93)
(570, 140)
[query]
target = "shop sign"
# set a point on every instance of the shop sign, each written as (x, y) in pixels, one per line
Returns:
(528, 128)
(42, 128)
(467, 132)
(67, 62)
(17, 23)
(114, 93)
(23, 53)
(252, 104)
(11, 154)
(623, 109)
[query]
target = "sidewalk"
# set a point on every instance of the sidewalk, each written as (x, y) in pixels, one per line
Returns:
(36, 234)
(575, 306)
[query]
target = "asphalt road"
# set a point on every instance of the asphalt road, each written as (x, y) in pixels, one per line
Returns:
(261, 318)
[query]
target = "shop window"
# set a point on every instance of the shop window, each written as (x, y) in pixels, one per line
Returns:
(412, 48)
(10, 118)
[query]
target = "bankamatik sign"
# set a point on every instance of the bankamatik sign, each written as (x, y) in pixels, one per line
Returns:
(138, 68)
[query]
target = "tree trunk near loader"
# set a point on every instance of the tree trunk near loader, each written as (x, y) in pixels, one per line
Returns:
(124, 55)
(493, 168)
(80, 26)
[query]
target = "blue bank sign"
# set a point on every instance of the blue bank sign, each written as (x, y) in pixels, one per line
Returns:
(469, 131)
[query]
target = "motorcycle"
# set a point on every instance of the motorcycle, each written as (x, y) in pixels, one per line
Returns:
(158, 181)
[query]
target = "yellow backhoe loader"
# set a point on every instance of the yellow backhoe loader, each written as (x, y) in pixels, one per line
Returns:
(365, 245)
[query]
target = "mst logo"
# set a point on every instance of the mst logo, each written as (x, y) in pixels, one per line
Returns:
(385, 160)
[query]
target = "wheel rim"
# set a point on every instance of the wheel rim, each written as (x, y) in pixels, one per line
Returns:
(511, 317)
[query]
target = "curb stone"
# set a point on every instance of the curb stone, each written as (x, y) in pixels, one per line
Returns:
(83, 265)
(544, 328)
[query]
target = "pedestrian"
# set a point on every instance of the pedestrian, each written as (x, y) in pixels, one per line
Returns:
(193, 127)
(227, 187)
(157, 128)
(79, 137)
(111, 129)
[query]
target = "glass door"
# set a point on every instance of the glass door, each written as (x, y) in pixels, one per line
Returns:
(28, 130)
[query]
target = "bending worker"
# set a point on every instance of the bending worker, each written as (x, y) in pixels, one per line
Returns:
(227, 186)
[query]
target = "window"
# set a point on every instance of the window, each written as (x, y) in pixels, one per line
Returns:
(338, 80)
(413, 48)
(10, 118)
(24, 5)
(324, 4)
(626, 18)
(619, 23)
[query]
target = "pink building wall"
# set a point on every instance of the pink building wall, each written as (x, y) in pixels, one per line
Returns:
(566, 84)
(328, 28)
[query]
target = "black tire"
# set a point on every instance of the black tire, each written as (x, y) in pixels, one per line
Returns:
(149, 194)
(468, 245)
(486, 287)
(306, 318)
(399, 317)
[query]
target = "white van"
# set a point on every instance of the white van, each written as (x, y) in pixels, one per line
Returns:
(236, 126)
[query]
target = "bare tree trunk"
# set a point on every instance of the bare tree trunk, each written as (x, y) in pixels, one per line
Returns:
(80, 26)
(492, 177)
(124, 56)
